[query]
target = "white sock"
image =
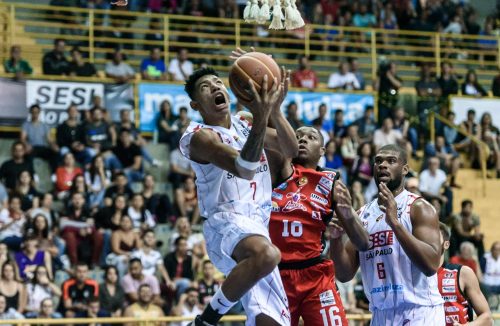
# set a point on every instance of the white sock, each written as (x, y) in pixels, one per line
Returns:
(220, 303)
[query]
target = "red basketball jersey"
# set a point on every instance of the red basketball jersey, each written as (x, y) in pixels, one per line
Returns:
(301, 208)
(456, 307)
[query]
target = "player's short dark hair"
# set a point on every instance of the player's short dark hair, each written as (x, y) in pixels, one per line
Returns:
(403, 155)
(189, 87)
(445, 231)
(466, 202)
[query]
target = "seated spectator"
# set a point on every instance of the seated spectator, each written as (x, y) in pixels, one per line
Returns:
(448, 157)
(144, 306)
(77, 186)
(111, 294)
(48, 242)
(69, 136)
(78, 67)
(97, 178)
(470, 126)
(467, 256)
(83, 241)
(362, 168)
(471, 85)
(450, 134)
(153, 68)
(39, 289)
(333, 159)
(65, 174)
(186, 199)
(495, 85)
(94, 310)
(180, 169)
(180, 68)
(54, 62)
(490, 135)
(37, 138)
(120, 187)
(17, 65)
(119, 70)
(180, 266)
(13, 290)
(490, 266)
(304, 77)
(167, 130)
(99, 136)
(456, 25)
(30, 258)
(12, 220)
(339, 127)
(429, 92)
(366, 125)
(159, 204)
(364, 18)
(30, 196)
(151, 259)
(343, 79)
(292, 117)
(350, 145)
(142, 219)
(123, 242)
(448, 80)
(207, 284)
(182, 123)
(77, 291)
(465, 226)
(135, 278)
(47, 310)
(4, 254)
(386, 135)
(46, 210)
(433, 181)
(3, 196)
(108, 218)
(354, 69)
(129, 157)
(195, 241)
(188, 305)
(7, 312)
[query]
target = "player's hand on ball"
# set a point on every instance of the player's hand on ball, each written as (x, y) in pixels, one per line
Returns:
(335, 231)
(263, 102)
(387, 204)
(235, 54)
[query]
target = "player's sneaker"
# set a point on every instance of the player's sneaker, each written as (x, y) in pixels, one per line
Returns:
(199, 322)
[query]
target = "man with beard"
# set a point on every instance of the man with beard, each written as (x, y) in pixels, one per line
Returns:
(399, 268)
(303, 205)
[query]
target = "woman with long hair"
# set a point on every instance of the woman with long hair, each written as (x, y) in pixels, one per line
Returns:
(40, 288)
(12, 221)
(65, 175)
(13, 290)
(140, 215)
(97, 178)
(123, 242)
(111, 294)
(26, 189)
(362, 169)
(167, 130)
(471, 85)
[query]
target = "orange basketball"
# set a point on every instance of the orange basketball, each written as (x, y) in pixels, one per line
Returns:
(252, 65)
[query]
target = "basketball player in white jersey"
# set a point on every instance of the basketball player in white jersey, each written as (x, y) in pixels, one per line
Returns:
(399, 267)
(234, 194)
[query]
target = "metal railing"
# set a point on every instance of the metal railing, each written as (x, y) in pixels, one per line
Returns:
(36, 26)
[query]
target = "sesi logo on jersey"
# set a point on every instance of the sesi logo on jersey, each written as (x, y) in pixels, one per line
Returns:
(381, 239)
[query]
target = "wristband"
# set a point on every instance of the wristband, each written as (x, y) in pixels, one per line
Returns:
(250, 166)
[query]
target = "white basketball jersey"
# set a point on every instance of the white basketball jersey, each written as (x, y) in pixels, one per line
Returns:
(390, 279)
(219, 190)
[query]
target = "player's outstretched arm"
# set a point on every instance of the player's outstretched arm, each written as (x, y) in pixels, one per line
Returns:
(470, 285)
(423, 246)
(341, 199)
(343, 253)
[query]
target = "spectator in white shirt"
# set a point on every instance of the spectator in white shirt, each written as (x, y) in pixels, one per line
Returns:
(12, 220)
(432, 180)
(180, 68)
(188, 306)
(343, 79)
(151, 259)
(490, 265)
(386, 135)
(120, 71)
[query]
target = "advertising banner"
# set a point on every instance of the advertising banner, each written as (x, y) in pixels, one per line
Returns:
(460, 105)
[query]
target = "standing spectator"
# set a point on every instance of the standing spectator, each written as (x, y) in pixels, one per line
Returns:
(180, 169)
(94, 311)
(97, 178)
(448, 81)
(129, 156)
(37, 138)
(466, 226)
(78, 290)
(39, 289)
(30, 258)
(111, 294)
(207, 284)
(180, 68)
(13, 290)
(144, 306)
(65, 174)
(354, 69)
(450, 134)
(471, 85)
(17, 65)
(429, 92)
(387, 84)
(343, 79)
(433, 181)
(490, 266)
(77, 228)
(54, 62)
(135, 278)
(123, 242)
(153, 68)
(12, 220)
(30, 197)
(188, 306)
(467, 256)
(119, 70)
(304, 77)
(78, 67)
(99, 136)
(142, 219)
(167, 130)
(386, 135)
(180, 266)
(495, 85)
(292, 117)
(7, 312)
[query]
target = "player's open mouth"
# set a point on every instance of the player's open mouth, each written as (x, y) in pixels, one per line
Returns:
(220, 100)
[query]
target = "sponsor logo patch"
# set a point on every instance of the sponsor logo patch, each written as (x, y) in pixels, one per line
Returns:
(452, 319)
(316, 215)
(381, 239)
(322, 190)
(449, 281)
(295, 202)
(325, 182)
(319, 199)
(302, 181)
(448, 289)
(283, 186)
(450, 298)
(275, 207)
(326, 298)
(277, 195)
(451, 309)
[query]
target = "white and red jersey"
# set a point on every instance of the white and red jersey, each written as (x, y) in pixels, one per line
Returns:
(390, 279)
(300, 207)
(456, 307)
(221, 191)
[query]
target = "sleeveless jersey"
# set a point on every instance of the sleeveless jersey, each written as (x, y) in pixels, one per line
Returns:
(456, 307)
(221, 191)
(390, 279)
(300, 207)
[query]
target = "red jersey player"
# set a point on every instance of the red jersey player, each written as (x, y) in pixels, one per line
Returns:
(460, 290)
(302, 207)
